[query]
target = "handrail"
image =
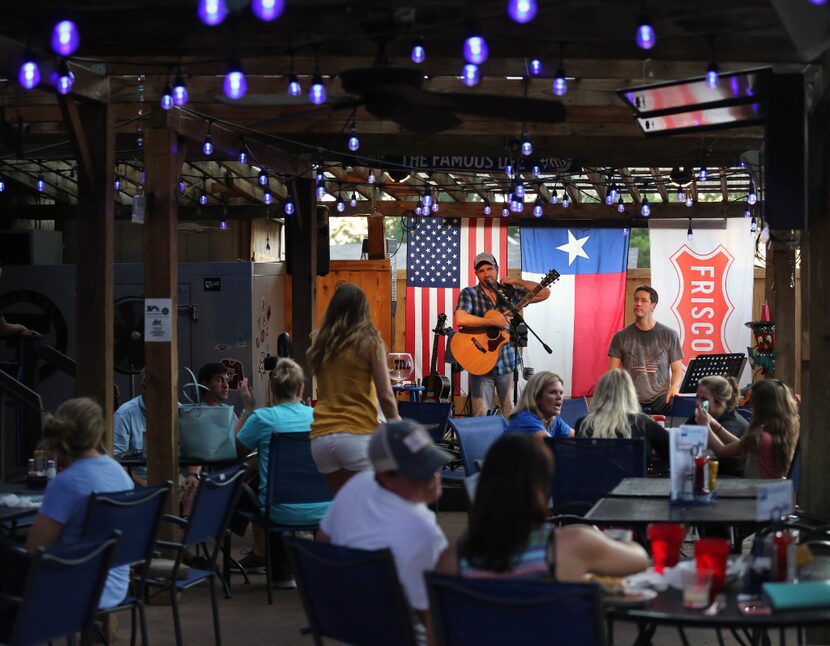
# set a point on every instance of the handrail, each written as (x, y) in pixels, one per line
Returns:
(58, 359)
(20, 392)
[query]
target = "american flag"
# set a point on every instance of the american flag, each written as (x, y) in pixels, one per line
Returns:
(439, 263)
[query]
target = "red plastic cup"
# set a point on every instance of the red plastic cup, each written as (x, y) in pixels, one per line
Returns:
(666, 541)
(710, 556)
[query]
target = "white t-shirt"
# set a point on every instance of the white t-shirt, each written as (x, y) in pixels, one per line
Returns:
(366, 516)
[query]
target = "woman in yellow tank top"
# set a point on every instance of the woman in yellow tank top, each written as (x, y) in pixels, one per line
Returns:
(348, 358)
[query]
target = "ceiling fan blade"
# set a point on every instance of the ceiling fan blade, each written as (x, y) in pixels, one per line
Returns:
(282, 101)
(425, 113)
(506, 107)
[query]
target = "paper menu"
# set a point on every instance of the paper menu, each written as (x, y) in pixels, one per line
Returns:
(685, 443)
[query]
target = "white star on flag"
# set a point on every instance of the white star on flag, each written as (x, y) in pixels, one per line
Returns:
(574, 248)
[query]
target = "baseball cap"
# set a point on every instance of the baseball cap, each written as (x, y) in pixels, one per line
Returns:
(486, 257)
(406, 447)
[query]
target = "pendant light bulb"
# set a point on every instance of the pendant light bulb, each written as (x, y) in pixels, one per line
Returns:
(212, 12)
(353, 200)
(560, 83)
(266, 196)
(522, 11)
(65, 38)
(419, 53)
(294, 87)
(645, 209)
(535, 66)
(689, 201)
(288, 207)
(752, 197)
(40, 184)
(475, 48)
(262, 178)
(340, 205)
(537, 207)
(566, 201)
(29, 75)
(354, 141)
(646, 37)
(267, 10)
(179, 91)
(235, 85)
(203, 198)
(712, 76)
(470, 75)
(317, 92)
(63, 77)
(620, 205)
(321, 190)
(527, 145)
(207, 145)
(487, 208)
(167, 97)
(703, 175)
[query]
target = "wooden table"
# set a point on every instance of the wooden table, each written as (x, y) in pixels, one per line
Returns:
(643, 510)
(661, 487)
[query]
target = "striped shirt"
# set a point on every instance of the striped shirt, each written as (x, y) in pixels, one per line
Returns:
(535, 561)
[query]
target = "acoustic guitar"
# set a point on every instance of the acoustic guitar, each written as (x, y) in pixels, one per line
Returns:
(476, 349)
(436, 386)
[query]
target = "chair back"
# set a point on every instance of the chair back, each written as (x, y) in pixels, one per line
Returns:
(213, 506)
(586, 469)
(745, 412)
(573, 409)
(293, 476)
(514, 611)
(683, 407)
(351, 595)
(433, 415)
(475, 437)
(136, 513)
(794, 472)
(62, 591)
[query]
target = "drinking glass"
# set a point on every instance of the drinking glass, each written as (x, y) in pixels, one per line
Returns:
(400, 366)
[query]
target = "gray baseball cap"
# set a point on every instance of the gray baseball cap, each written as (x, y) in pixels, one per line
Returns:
(406, 447)
(485, 257)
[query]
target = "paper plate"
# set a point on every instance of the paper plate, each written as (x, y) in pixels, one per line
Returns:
(632, 598)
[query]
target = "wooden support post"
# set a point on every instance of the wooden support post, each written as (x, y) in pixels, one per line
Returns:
(781, 298)
(92, 130)
(301, 238)
(163, 157)
(377, 239)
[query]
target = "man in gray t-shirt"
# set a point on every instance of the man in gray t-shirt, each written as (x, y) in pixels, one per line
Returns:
(650, 352)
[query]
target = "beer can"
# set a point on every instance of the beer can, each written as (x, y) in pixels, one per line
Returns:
(713, 473)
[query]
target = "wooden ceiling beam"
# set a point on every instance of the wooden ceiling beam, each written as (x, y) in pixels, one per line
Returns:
(598, 182)
(344, 178)
(631, 186)
(724, 188)
(448, 184)
(575, 196)
(693, 189)
(661, 187)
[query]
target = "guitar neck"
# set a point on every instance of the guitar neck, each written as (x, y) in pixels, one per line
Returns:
(529, 296)
(433, 363)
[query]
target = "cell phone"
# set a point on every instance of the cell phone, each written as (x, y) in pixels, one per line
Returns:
(705, 405)
(754, 608)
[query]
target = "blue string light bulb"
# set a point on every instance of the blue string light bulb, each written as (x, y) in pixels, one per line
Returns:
(317, 92)
(288, 207)
(266, 196)
(179, 91)
(527, 145)
(703, 175)
(752, 196)
(522, 11)
(487, 208)
(321, 189)
(354, 141)
(63, 77)
(712, 76)
(340, 205)
(262, 177)
(475, 47)
(235, 85)
(294, 87)
(2, 185)
(65, 38)
(267, 10)
(29, 75)
(207, 145)
(646, 37)
(560, 82)
(167, 97)
(40, 184)
(645, 209)
(620, 205)
(212, 12)
(419, 53)
(535, 67)
(470, 75)
(353, 200)
(537, 207)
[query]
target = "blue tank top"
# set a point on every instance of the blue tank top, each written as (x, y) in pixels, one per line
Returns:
(535, 561)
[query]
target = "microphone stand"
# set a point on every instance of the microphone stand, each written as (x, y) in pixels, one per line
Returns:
(515, 320)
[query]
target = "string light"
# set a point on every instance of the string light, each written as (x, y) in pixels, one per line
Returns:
(519, 190)
(142, 175)
(560, 83)
(179, 91)
(689, 201)
(340, 205)
(752, 197)
(235, 85)
(681, 195)
(419, 208)
(712, 75)
(527, 145)
(207, 145)
(212, 12)
(753, 226)
(267, 10)
(321, 189)
(182, 186)
(475, 47)
(262, 178)
(2, 185)
(614, 192)
(65, 38)
(40, 184)
(294, 87)
(470, 75)
(317, 92)
(522, 11)
(435, 206)
(243, 153)
(353, 201)
(427, 199)
(371, 179)
(29, 75)
(703, 175)
(537, 207)
(554, 199)
(419, 53)
(203, 197)
(536, 169)
(354, 141)
(690, 235)
(508, 169)
(566, 199)
(167, 97)
(266, 196)
(535, 67)
(288, 207)
(223, 224)
(117, 183)
(63, 77)
(645, 209)
(620, 205)
(646, 37)
(487, 208)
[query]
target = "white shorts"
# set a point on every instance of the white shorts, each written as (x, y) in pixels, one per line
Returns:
(341, 451)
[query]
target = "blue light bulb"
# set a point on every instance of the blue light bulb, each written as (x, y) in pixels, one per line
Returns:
(752, 197)
(535, 67)
(371, 179)
(223, 224)
(317, 93)
(519, 191)
(29, 75)
(63, 78)
(2, 186)
(427, 199)
(142, 175)
(620, 205)
(117, 184)
(294, 87)
(262, 178)
(435, 206)
(487, 208)
(470, 75)
(712, 76)
(646, 38)
(689, 201)
(609, 199)
(267, 10)
(321, 190)
(537, 208)
(235, 85)
(179, 91)
(243, 156)
(522, 10)
(353, 200)
(212, 12)
(419, 208)
(354, 142)
(681, 195)
(266, 197)
(203, 199)
(704, 174)
(645, 209)
(505, 212)
(182, 186)
(508, 169)
(554, 199)
(40, 185)
(340, 205)
(207, 145)
(167, 97)
(419, 54)
(566, 201)
(65, 38)
(560, 83)
(527, 147)
(475, 50)
(289, 207)
(614, 192)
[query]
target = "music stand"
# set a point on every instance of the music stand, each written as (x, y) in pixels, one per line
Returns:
(707, 365)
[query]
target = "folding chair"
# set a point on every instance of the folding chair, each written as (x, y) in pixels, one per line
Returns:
(137, 514)
(682, 408)
(433, 415)
(514, 611)
(293, 478)
(211, 515)
(475, 437)
(588, 469)
(61, 593)
(573, 409)
(351, 595)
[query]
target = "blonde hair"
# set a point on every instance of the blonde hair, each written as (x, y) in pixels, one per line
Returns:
(286, 377)
(614, 400)
(724, 389)
(347, 324)
(76, 427)
(535, 386)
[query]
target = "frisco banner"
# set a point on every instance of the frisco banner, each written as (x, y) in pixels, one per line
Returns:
(705, 285)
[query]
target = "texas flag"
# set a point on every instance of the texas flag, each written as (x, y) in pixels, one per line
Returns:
(586, 305)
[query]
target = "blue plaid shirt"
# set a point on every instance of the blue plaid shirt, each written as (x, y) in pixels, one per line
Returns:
(476, 302)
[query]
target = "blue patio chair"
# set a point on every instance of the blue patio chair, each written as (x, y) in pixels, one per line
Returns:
(433, 415)
(293, 478)
(209, 521)
(586, 469)
(573, 409)
(518, 612)
(475, 437)
(682, 408)
(351, 595)
(61, 593)
(137, 514)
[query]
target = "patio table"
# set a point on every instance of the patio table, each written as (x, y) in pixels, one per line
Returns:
(642, 511)
(661, 487)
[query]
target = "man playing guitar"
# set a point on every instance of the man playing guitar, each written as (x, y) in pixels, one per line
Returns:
(473, 303)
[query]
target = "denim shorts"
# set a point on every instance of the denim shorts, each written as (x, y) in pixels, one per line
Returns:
(341, 451)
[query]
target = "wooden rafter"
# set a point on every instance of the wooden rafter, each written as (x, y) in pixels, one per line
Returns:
(598, 182)
(450, 186)
(343, 177)
(661, 187)
(631, 186)
(574, 196)
(724, 188)
(693, 189)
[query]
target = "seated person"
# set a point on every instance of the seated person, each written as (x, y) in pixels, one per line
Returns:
(537, 412)
(387, 507)
(287, 415)
(128, 431)
(508, 536)
(768, 445)
(723, 395)
(615, 412)
(75, 433)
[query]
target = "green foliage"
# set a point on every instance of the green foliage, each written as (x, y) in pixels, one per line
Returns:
(639, 239)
